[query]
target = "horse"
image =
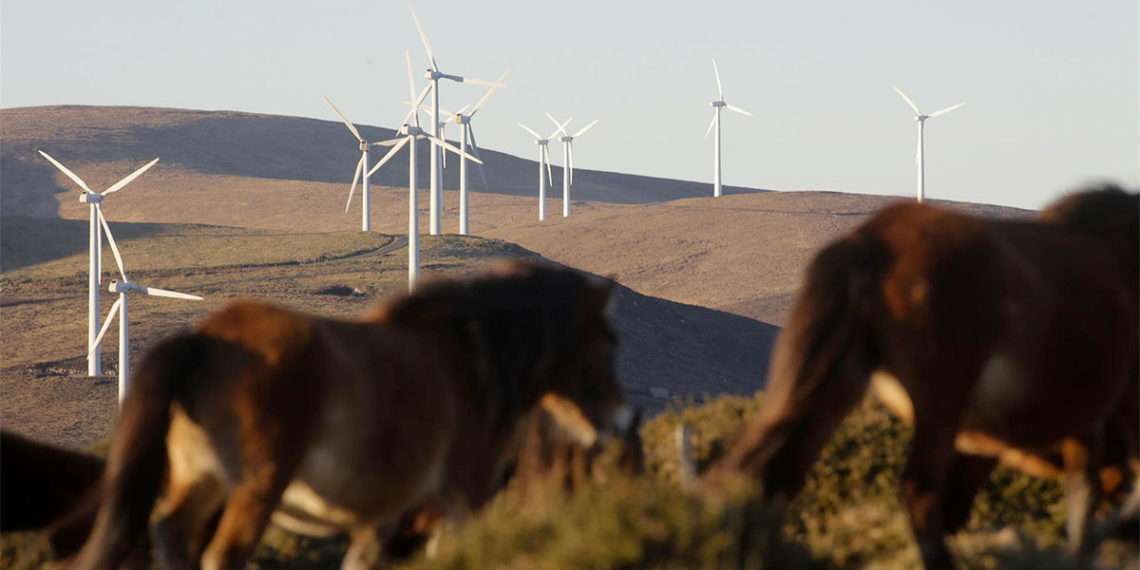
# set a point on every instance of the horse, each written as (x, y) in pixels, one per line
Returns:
(1002, 341)
(320, 425)
(41, 483)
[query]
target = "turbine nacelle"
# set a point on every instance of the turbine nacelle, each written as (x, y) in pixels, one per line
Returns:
(413, 131)
(86, 198)
(123, 287)
(435, 75)
(718, 104)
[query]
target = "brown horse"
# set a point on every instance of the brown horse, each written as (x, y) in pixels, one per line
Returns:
(329, 425)
(1002, 341)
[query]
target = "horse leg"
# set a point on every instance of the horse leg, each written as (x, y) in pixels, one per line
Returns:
(967, 474)
(244, 518)
(363, 549)
(184, 522)
(924, 486)
(1082, 460)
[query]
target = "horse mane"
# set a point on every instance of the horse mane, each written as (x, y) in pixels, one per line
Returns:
(516, 321)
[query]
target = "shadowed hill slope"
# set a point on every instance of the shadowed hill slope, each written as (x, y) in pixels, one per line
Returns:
(679, 350)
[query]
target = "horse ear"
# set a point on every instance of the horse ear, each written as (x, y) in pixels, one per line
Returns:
(568, 417)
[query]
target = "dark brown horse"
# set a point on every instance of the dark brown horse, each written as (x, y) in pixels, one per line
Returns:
(1003, 341)
(41, 483)
(328, 426)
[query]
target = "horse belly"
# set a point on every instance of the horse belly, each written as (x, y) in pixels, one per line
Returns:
(360, 469)
(1025, 408)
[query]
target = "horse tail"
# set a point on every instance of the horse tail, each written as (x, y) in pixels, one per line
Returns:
(137, 461)
(820, 369)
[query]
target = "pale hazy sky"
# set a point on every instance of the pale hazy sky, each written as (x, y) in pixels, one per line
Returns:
(1052, 87)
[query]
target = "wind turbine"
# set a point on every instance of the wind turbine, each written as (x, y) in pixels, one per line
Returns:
(94, 253)
(462, 117)
(568, 160)
(920, 157)
(124, 289)
(361, 166)
(433, 74)
(543, 163)
(717, 106)
(409, 133)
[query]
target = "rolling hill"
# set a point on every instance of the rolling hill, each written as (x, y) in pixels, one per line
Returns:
(253, 205)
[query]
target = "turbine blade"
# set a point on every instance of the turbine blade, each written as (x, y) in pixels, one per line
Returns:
(490, 91)
(106, 324)
(531, 131)
(387, 157)
(155, 292)
(583, 130)
(719, 87)
(556, 124)
(423, 95)
(111, 240)
(411, 75)
(423, 38)
(388, 142)
(347, 123)
(355, 179)
(913, 107)
(483, 82)
(946, 110)
(737, 109)
(120, 184)
(74, 178)
(570, 161)
(561, 127)
(549, 171)
(711, 123)
(452, 148)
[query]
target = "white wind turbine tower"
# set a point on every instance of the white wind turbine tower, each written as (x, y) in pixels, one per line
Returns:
(920, 157)
(124, 289)
(409, 133)
(462, 117)
(94, 253)
(433, 74)
(717, 106)
(361, 167)
(568, 160)
(543, 164)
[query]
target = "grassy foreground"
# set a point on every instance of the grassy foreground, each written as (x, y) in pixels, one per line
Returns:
(847, 517)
